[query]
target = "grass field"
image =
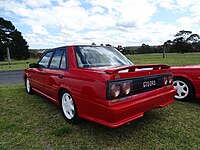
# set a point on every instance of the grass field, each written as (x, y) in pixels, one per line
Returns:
(16, 65)
(33, 122)
(171, 59)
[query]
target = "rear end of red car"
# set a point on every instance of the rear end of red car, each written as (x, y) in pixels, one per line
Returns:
(130, 92)
(110, 90)
(143, 90)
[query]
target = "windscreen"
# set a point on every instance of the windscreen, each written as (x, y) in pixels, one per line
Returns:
(100, 56)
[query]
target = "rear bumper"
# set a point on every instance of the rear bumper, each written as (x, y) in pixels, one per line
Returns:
(123, 112)
(137, 109)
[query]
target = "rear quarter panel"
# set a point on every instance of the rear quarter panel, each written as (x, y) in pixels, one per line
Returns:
(89, 85)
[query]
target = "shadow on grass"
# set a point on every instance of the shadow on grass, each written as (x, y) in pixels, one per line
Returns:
(195, 101)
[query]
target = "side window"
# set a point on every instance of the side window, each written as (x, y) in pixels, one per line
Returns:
(45, 60)
(55, 62)
(63, 61)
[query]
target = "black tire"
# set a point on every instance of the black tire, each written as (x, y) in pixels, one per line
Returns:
(68, 108)
(28, 86)
(185, 89)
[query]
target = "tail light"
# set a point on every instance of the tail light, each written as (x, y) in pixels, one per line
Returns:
(165, 80)
(126, 88)
(119, 89)
(115, 90)
(168, 80)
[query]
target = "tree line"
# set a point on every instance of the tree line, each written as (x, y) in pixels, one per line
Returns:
(183, 42)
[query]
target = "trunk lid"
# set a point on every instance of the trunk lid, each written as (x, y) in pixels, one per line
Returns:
(137, 71)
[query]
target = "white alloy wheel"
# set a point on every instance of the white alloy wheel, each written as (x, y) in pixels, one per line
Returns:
(182, 89)
(68, 106)
(28, 86)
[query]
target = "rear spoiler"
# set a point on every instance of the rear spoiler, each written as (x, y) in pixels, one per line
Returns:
(134, 68)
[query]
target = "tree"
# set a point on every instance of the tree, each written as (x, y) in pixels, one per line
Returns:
(194, 38)
(180, 42)
(145, 48)
(166, 47)
(183, 34)
(184, 41)
(10, 37)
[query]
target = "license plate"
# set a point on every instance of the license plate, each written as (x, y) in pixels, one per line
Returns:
(150, 83)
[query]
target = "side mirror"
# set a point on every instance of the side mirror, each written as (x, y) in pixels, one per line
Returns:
(34, 65)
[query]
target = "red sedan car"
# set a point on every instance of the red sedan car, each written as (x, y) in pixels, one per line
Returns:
(187, 82)
(99, 84)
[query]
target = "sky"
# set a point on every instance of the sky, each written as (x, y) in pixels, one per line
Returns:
(54, 23)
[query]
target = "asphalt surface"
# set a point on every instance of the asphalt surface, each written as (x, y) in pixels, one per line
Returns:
(11, 77)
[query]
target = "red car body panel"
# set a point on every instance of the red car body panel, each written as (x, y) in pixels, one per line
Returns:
(190, 72)
(114, 115)
(88, 87)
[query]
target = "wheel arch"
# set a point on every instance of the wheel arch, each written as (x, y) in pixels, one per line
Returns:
(76, 118)
(185, 76)
(25, 76)
(62, 89)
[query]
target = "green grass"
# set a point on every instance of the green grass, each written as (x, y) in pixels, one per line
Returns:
(171, 59)
(16, 65)
(33, 122)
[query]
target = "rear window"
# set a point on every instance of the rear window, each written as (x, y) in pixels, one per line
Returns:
(99, 56)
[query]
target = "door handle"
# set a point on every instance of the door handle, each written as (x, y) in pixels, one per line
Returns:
(60, 76)
(41, 72)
